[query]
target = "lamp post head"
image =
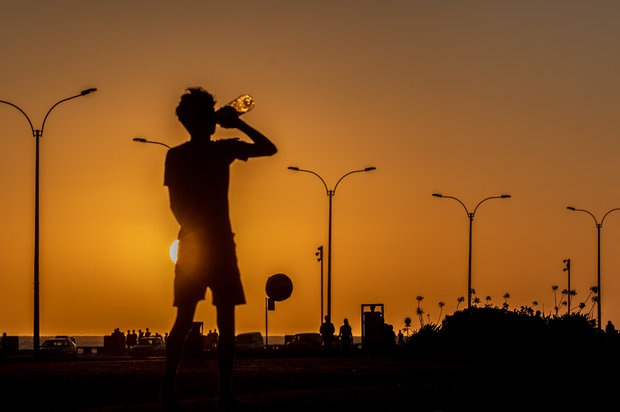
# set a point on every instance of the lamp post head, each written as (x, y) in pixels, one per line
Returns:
(570, 208)
(139, 139)
(505, 196)
(293, 168)
(368, 169)
(437, 195)
(87, 91)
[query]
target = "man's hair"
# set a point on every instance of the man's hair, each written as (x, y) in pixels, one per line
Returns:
(195, 102)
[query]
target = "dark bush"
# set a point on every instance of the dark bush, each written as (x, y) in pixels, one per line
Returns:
(490, 330)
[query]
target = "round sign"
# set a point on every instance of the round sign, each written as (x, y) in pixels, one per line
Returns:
(279, 287)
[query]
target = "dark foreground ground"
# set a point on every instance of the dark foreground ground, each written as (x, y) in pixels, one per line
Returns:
(353, 382)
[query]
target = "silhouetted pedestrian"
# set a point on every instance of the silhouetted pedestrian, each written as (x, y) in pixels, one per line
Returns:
(389, 337)
(610, 328)
(346, 335)
(327, 333)
(132, 339)
(197, 176)
(401, 337)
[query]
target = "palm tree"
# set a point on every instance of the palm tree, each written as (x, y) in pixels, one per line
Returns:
(506, 296)
(476, 301)
(564, 294)
(420, 312)
(571, 293)
(554, 288)
(459, 301)
(441, 305)
(593, 290)
(488, 299)
(594, 302)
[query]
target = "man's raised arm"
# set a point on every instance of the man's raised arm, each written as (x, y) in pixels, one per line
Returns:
(262, 145)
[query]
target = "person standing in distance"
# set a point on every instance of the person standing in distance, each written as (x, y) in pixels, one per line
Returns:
(197, 177)
(327, 333)
(346, 335)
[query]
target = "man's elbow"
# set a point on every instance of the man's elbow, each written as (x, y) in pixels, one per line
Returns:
(269, 150)
(272, 150)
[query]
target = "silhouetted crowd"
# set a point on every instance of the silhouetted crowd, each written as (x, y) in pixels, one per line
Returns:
(118, 341)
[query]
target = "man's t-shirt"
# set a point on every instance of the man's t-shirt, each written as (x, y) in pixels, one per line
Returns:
(197, 175)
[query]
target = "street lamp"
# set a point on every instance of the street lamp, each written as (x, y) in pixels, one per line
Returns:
(38, 134)
(143, 140)
(598, 267)
(471, 215)
(330, 194)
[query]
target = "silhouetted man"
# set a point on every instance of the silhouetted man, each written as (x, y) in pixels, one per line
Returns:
(197, 176)
(327, 332)
(346, 335)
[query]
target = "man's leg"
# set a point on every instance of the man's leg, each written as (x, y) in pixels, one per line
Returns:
(226, 350)
(174, 350)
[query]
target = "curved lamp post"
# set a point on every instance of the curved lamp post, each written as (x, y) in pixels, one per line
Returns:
(38, 134)
(330, 194)
(143, 140)
(598, 253)
(471, 215)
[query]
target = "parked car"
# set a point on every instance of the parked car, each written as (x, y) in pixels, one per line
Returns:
(148, 346)
(249, 341)
(306, 341)
(59, 346)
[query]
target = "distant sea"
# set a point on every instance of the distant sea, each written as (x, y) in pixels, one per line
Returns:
(25, 342)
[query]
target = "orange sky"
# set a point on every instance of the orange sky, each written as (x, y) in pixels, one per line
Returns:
(468, 100)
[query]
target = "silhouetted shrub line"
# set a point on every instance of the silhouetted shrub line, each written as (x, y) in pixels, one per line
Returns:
(495, 330)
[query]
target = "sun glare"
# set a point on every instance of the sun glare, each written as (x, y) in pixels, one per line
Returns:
(173, 250)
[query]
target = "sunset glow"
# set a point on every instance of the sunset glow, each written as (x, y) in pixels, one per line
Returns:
(466, 99)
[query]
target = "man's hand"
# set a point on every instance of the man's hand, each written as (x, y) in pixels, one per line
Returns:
(228, 118)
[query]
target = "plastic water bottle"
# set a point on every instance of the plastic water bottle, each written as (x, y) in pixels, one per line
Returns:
(242, 104)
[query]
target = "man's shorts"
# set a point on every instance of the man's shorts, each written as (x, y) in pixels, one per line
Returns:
(207, 262)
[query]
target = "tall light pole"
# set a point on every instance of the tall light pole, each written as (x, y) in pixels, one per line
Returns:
(319, 258)
(598, 253)
(470, 216)
(38, 134)
(143, 140)
(330, 194)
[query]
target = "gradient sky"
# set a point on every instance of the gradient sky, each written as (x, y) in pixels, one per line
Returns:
(468, 99)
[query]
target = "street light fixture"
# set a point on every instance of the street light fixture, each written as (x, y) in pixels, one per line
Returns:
(38, 134)
(598, 253)
(143, 140)
(470, 216)
(330, 194)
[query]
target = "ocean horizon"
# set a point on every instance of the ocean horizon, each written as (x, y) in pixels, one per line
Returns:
(25, 342)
